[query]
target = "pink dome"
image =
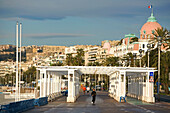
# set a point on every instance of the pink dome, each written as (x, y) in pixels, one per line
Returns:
(149, 27)
(106, 45)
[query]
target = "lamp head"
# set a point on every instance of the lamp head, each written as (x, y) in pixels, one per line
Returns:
(148, 45)
(159, 38)
(140, 55)
(134, 54)
(140, 50)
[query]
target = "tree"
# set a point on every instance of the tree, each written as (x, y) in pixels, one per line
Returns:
(165, 70)
(80, 57)
(69, 60)
(165, 66)
(94, 64)
(134, 39)
(165, 63)
(111, 61)
(161, 32)
(120, 42)
(30, 75)
(57, 64)
(78, 60)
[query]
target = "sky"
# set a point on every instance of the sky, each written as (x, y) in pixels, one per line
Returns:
(77, 22)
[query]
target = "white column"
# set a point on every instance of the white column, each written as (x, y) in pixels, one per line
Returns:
(124, 83)
(48, 91)
(71, 88)
(16, 93)
(41, 85)
(55, 83)
(53, 88)
(119, 89)
(45, 84)
(73, 85)
(20, 63)
(51, 83)
(60, 84)
(68, 83)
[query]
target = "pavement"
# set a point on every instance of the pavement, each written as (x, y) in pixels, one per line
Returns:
(163, 98)
(104, 104)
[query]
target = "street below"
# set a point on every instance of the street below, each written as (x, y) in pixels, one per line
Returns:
(104, 104)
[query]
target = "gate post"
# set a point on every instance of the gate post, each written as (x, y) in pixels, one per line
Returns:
(71, 88)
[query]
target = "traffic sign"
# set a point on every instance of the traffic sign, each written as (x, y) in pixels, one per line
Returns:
(151, 73)
(151, 79)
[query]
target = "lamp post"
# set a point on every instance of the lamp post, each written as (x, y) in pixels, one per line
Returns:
(148, 46)
(140, 51)
(134, 56)
(129, 61)
(125, 62)
(159, 49)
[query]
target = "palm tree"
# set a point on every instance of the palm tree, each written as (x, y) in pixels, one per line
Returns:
(120, 42)
(134, 39)
(112, 61)
(80, 57)
(69, 59)
(57, 64)
(161, 32)
(164, 71)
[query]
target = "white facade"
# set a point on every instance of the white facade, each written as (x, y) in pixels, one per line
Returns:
(139, 85)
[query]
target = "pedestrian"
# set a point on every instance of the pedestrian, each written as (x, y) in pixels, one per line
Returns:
(84, 89)
(93, 94)
(88, 89)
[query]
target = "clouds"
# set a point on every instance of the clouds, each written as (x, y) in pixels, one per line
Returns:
(60, 9)
(55, 35)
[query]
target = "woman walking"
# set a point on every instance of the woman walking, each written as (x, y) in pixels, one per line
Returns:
(93, 94)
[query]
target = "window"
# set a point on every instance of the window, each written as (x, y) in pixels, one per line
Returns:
(153, 31)
(143, 45)
(144, 31)
(143, 36)
(149, 36)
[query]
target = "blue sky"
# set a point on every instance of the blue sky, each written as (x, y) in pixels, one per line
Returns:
(72, 22)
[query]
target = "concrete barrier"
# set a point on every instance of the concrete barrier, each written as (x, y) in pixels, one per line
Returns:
(41, 101)
(15, 107)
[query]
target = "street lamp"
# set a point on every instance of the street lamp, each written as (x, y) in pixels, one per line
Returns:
(140, 51)
(129, 61)
(159, 49)
(148, 46)
(134, 55)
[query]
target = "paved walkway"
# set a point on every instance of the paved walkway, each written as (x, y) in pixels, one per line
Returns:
(104, 104)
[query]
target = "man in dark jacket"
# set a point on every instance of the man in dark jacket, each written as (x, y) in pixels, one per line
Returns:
(93, 94)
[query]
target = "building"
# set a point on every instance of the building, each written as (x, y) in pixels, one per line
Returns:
(127, 45)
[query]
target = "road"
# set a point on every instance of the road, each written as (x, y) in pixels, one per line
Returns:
(104, 104)
(164, 98)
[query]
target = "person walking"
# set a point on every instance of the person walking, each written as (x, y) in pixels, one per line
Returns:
(84, 90)
(93, 94)
(88, 89)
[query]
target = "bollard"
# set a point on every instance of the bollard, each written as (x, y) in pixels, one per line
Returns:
(124, 98)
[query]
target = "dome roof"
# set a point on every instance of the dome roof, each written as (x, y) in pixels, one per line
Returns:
(106, 45)
(150, 26)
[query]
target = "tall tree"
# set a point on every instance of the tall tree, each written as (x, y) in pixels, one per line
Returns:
(112, 61)
(134, 39)
(30, 75)
(80, 57)
(163, 33)
(57, 64)
(69, 60)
